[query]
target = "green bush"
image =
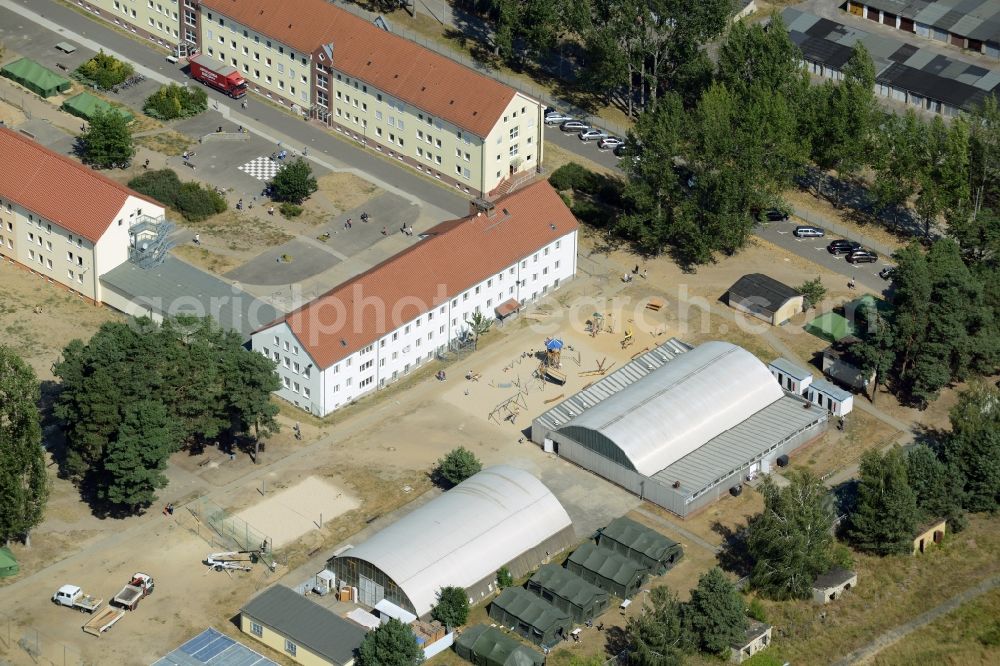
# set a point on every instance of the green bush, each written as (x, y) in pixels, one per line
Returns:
(588, 212)
(290, 210)
(104, 71)
(191, 200)
(573, 176)
(174, 101)
(765, 658)
(756, 610)
(196, 203)
(162, 185)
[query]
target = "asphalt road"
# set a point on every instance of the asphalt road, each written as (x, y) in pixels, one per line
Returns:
(267, 118)
(262, 115)
(814, 249)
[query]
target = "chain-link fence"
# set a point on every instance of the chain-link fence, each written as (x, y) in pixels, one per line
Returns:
(26, 644)
(233, 531)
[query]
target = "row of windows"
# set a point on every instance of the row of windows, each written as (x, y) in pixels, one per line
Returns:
(294, 386)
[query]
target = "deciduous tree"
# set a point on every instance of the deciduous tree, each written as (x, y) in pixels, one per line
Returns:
(24, 485)
(452, 608)
(390, 644)
(458, 465)
(107, 143)
(294, 182)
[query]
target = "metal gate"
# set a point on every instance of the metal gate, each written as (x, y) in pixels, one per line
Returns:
(369, 592)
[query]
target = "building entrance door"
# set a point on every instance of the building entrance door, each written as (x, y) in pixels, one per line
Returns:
(369, 592)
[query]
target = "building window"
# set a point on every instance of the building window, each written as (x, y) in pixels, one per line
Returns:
(513, 133)
(290, 647)
(256, 629)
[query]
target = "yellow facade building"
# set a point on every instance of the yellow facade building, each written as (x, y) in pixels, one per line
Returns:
(166, 23)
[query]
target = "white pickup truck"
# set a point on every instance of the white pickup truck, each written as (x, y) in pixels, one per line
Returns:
(72, 596)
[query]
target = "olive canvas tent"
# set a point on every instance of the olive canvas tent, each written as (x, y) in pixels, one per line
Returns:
(35, 78)
(568, 592)
(8, 564)
(641, 544)
(607, 569)
(530, 616)
(86, 106)
(488, 646)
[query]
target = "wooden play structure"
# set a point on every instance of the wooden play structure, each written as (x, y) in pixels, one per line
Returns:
(654, 304)
(629, 339)
(509, 409)
(548, 369)
(595, 324)
(600, 370)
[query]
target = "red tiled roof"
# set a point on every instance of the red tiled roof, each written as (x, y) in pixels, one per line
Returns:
(58, 188)
(436, 84)
(457, 255)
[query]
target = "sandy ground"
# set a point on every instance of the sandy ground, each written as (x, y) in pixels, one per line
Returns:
(288, 514)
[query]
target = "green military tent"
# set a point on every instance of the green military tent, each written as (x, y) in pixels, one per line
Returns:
(487, 646)
(35, 78)
(641, 544)
(530, 616)
(607, 569)
(830, 326)
(8, 565)
(86, 106)
(568, 592)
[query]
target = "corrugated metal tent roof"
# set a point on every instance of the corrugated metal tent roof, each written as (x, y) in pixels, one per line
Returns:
(465, 534)
(682, 405)
(599, 391)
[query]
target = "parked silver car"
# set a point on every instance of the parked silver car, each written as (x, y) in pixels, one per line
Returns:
(610, 142)
(593, 135)
(556, 118)
(574, 126)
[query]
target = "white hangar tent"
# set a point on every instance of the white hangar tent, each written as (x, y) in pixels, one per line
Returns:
(502, 516)
(680, 426)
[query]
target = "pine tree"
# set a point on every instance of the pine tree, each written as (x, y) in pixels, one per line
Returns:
(885, 516)
(973, 447)
(656, 636)
(24, 485)
(134, 462)
(937, 486)
(715, 614)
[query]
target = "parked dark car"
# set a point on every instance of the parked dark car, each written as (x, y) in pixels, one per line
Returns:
(619, 150)
(862, 257)
(842, 246)
(775, 215)
(808, 232)
(886, 273)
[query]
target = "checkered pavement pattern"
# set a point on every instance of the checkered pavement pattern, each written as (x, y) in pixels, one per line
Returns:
(261, 168)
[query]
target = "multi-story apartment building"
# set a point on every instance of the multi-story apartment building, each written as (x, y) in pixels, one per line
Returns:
(378, 326)
(63, 220)
(167, 23)
(410, 103)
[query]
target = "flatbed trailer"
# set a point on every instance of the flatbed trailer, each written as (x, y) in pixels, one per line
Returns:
(103, 621)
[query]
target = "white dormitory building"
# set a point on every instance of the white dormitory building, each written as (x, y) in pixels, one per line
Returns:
(380, 325)
(62, 220)
(413, 105)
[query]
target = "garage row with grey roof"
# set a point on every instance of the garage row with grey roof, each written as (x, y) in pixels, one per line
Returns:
(970, 24)
(918, 77)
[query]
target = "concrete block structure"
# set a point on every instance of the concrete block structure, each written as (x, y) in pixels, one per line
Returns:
(413, 105)
(831, 585)
(930, 534)
(756, 638)
(375, 328)
(64, 221)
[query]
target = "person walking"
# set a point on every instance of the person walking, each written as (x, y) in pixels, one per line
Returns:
(197, 239)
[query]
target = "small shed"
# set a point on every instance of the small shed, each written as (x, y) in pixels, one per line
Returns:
(530, 616)
(34, 77)
(86, 106)
(8, 564)
(756, 638)
(832, 584)
(930, 534)
(606, 569)
(568, 592)
(791, 377)
(831, 397)
(765, 298)
(839, 364)
(487, 646)
(641, 544)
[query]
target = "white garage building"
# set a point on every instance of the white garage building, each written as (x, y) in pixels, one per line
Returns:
(378, 326)
(681, 426)
(502, 516)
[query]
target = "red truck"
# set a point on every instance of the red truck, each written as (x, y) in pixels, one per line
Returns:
(218, 75)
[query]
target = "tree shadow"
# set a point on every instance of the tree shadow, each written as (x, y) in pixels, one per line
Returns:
(615, 641)
(734, 555)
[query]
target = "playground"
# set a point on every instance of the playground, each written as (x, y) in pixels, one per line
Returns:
(543, 364)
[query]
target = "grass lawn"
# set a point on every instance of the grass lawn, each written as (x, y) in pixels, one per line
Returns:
(890, 592)
(967, 635)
